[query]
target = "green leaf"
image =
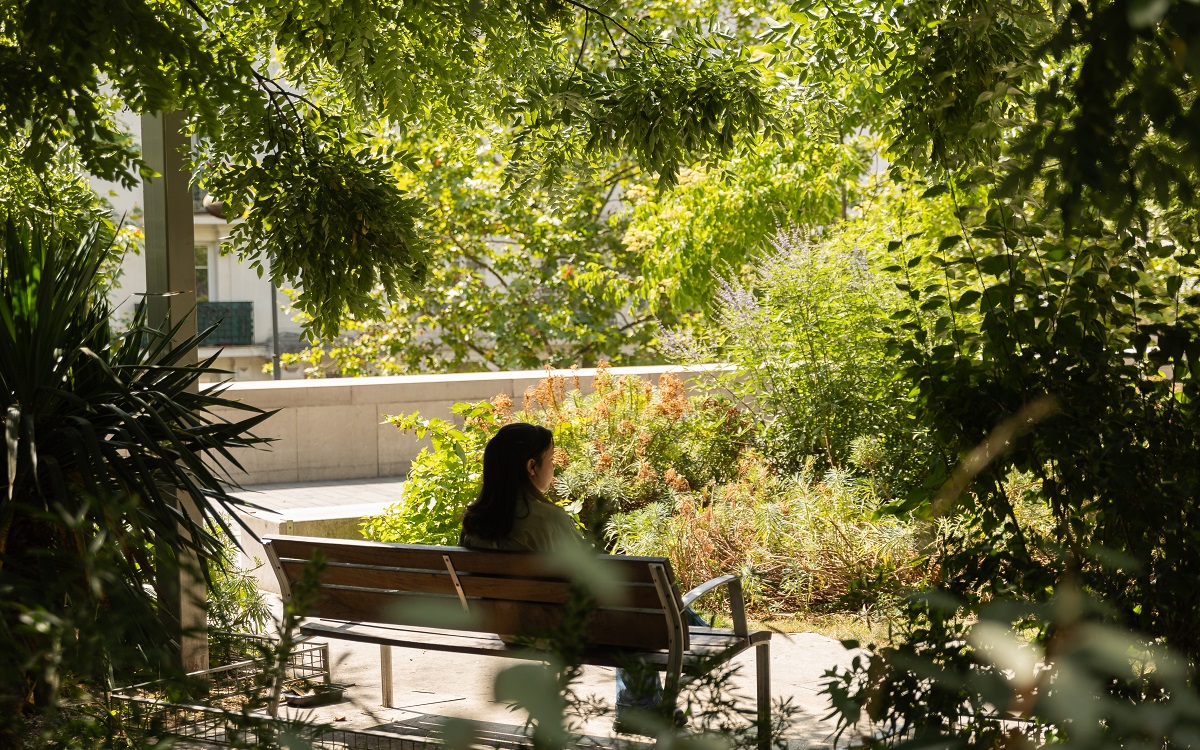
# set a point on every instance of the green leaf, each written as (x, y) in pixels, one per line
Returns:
(1174, 283)
(948, 242)
(995, 265)
(968, 298)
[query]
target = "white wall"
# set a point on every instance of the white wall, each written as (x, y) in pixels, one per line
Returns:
(230, 280)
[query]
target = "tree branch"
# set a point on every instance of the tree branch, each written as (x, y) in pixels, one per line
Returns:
(268, 85)
(620, 329)
(613, 42)
(478, 261)
(606, 17)
(587, 21)
(483, 356)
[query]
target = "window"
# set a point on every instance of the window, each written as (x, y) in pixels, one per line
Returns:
(198, 196)
(201, 273)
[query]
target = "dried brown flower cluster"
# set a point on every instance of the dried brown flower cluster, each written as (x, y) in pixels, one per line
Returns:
(672, 401)
(643, 444)
(551, 393)
(602, 410)
(602, 383)
(646, 473)
(561, 459)
(503, 405)
(748, 463)
(676, 481)
(604, 461)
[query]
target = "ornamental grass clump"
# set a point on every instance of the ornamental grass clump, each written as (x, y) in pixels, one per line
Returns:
(799, 543)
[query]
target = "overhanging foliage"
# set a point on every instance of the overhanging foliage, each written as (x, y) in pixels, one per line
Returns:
(284, 95)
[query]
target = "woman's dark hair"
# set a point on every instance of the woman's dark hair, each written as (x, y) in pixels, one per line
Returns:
(506, 479)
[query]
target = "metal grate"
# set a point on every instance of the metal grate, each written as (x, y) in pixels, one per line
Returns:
(205, 726)
(241, 657)
(213, 724)
(234, 321)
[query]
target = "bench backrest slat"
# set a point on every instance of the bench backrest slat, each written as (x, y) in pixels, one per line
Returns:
(507, 593)
(428, 557)
(475, 585)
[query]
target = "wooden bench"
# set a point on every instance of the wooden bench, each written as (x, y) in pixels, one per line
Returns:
(373, 592)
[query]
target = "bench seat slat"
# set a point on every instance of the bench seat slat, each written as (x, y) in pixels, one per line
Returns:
(475, 585)
(707, 643)
(626, 568)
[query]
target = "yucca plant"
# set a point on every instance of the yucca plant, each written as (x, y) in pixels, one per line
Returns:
(107, 438)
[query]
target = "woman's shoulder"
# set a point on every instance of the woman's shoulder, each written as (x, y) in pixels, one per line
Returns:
(546, 526)
(546, 508)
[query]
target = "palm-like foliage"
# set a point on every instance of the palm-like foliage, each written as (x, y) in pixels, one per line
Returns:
(108, 438)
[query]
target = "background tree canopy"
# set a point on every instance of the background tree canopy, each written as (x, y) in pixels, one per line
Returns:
(591, 269)
(284, 98)
(592, 256)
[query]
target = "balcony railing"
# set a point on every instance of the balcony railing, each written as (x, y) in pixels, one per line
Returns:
(234, 321)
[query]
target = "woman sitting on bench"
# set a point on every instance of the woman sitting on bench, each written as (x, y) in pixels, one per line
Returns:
(512, 513)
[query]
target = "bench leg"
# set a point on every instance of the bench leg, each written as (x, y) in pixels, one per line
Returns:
(762, 653)
(385, 674)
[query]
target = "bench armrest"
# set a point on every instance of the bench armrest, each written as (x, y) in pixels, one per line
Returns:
(737, 604)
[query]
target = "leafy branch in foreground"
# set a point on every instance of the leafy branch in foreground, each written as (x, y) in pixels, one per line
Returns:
(108, 451)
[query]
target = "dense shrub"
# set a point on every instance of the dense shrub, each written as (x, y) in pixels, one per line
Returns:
(806, 330)
(442, 479)
(648, 470)
(626, 444)
(235, 603)
(630, 443)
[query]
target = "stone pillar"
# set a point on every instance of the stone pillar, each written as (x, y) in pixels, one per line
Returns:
(171, 288)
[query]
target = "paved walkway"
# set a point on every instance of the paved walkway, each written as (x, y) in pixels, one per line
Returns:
(311, 497)
(431, 686)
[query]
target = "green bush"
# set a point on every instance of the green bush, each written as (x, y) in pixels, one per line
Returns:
(631, 443)
(806, 332)
(443, 478)
(235, 604)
